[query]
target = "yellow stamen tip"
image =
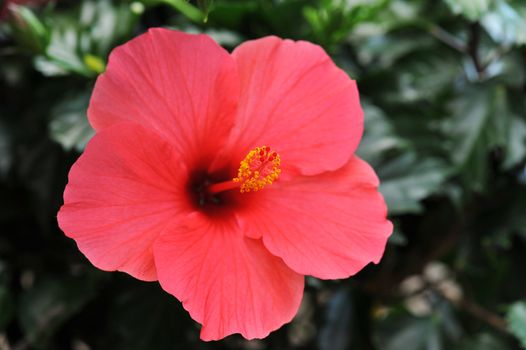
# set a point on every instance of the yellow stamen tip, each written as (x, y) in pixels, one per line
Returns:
(260, 167)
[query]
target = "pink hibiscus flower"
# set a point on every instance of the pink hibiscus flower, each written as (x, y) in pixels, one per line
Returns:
(226, 177)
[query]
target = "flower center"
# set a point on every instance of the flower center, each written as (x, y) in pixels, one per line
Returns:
(260, 167)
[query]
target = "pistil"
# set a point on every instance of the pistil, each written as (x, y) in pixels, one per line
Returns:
(260, 167)
(223, 186)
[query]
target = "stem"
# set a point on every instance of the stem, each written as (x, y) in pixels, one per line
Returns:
(472, 308)
(473, 47)
(223, 186)
(447, 38)
(483, 314)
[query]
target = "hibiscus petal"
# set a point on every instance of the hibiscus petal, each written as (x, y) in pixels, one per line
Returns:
(228, 283)
(329, 226)
(183, 86)
(295, 100)
(121, 193)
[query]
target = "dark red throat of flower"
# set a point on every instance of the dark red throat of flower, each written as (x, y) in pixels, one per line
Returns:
(260, 167)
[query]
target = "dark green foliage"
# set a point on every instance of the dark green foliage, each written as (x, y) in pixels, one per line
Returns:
(517, 321)
(443, 86)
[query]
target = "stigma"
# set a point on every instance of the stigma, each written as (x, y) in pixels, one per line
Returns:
(260, 167)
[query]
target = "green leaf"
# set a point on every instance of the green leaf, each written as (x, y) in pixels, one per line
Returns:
(103, 24)
(379, 136)
(81, 40)
(332, 21)
(483, 341)
(480, 122)
(69, 124)
(62, 52)
(506, 24)
(424, 74)
(516, 145)
(471, 9)
(232, 14)
(168, 325)
(29, 30)
(52, 301)
(516, 317)
(410, 333)
(188, 10)
(385, 50)
(406, 180)
(205, 6)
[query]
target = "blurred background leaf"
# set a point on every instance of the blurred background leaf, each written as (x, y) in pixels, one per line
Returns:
(517, 321)
(442, 85)
(471, 9)
(506, 23)
(69, 123)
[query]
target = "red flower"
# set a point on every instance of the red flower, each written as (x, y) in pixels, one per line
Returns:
(225, 177)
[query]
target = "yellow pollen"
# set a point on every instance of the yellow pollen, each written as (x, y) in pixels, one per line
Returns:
(260, 167)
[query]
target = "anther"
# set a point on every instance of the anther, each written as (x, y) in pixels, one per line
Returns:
(260, 167)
